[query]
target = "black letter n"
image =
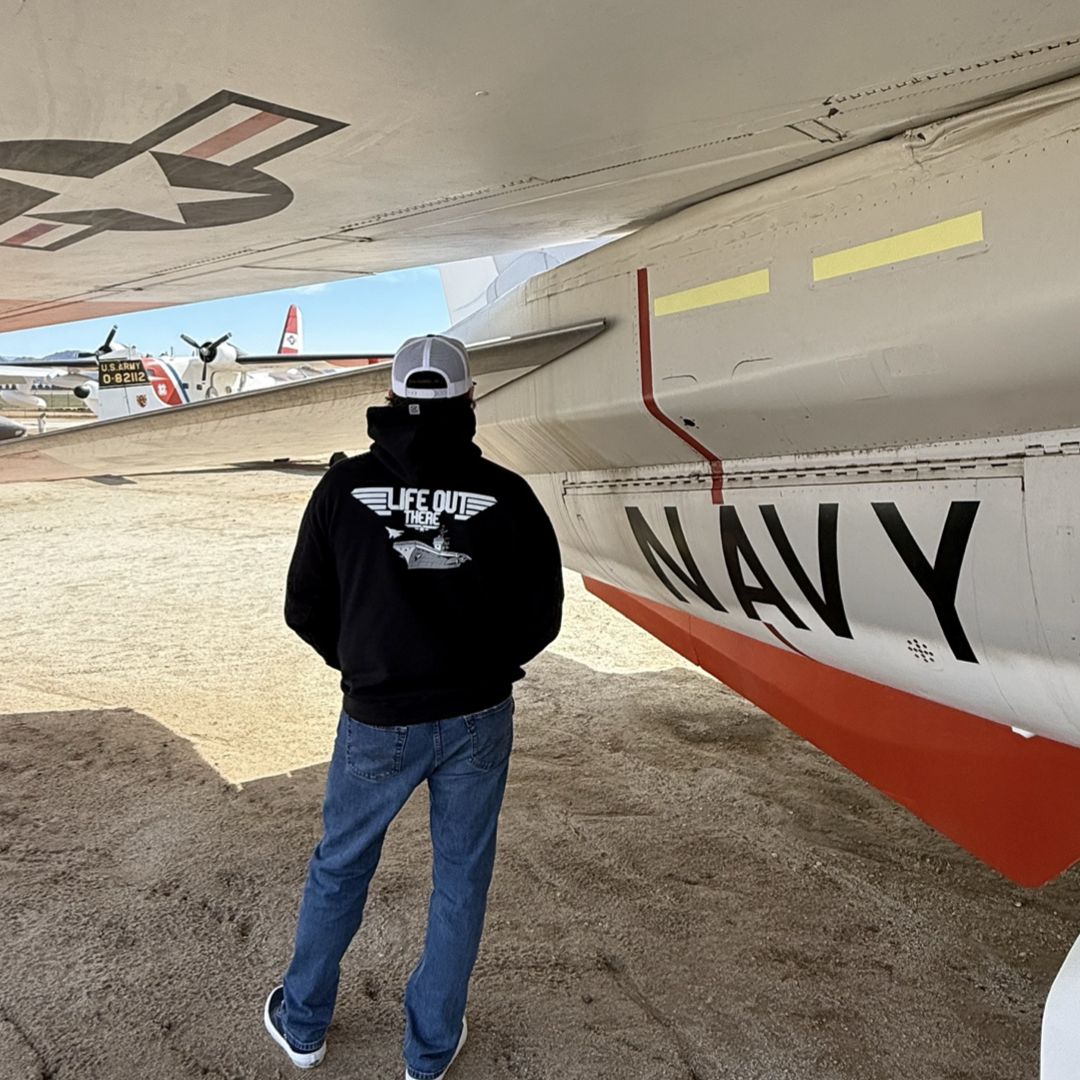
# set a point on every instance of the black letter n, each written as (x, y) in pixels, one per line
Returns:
(651, 547)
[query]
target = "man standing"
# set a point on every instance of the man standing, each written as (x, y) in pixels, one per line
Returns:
(428, 576)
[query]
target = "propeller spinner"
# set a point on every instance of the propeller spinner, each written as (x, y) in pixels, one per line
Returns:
(207, 351)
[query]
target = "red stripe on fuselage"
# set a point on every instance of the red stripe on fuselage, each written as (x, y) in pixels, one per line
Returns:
(645, 350)
(1011, 801)
(164, 382)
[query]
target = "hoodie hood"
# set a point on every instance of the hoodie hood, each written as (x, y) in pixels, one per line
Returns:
(423, 439)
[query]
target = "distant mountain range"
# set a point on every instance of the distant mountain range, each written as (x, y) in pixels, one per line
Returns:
(66, 354)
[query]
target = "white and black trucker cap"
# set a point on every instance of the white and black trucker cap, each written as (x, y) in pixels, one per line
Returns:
(430, 367)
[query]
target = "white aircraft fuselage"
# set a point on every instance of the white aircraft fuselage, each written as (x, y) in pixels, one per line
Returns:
(832, 435)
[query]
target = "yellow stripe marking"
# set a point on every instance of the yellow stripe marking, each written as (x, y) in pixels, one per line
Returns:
(954, 233)
(716, 292)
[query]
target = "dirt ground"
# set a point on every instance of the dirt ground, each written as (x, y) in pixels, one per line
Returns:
(164, 594)
(684, 889)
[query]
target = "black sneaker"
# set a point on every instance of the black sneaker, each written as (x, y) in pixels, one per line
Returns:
(302, 1059)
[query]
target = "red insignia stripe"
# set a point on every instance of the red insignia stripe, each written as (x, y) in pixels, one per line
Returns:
(236, 134)
(32, 233)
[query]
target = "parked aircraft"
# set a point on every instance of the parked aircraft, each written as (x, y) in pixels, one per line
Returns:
(129, 384)
(19, 381)
(117, 380)
(21, 396)
(814, 421)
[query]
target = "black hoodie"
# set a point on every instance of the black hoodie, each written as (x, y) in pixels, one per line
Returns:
(426, 574)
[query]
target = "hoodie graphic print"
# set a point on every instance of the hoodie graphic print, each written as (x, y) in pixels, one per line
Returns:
(420, 511)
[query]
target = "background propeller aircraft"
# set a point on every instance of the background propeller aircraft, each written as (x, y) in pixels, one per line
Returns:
(813, 420)
(129, 384)
(121, 381)
(28, 373)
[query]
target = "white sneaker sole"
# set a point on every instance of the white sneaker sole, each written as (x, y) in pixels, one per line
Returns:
(300, 1060)
(460, 1044)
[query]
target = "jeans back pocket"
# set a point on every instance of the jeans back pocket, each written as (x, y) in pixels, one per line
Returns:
(374, 753)
(492, 735)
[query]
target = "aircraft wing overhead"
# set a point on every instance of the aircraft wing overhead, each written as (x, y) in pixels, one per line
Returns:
(38, 366)
(313, 417)
(163, 179)
(485, 357)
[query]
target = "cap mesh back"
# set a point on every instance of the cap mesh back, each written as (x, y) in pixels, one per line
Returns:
(448, 360)
(429, 367)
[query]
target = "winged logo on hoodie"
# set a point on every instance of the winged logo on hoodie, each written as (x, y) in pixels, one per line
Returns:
(424, 511)
(418, 502)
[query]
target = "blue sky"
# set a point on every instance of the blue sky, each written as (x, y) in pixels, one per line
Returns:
(368, 313)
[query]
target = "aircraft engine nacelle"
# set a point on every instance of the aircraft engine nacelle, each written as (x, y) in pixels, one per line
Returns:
(224, 356)
(10, 430)
(23, 399)
(84, 390)
(218, 353)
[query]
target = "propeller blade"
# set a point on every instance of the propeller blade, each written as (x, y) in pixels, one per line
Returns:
(190, 341)
(220, 341)
(101, 350)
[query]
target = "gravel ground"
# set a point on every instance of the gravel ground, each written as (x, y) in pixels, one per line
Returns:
(684, 888)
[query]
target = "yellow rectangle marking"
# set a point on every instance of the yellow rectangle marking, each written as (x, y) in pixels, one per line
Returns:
(755, 283)
(954, 233)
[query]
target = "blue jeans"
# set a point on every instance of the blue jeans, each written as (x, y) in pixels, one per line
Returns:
(373, 772)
